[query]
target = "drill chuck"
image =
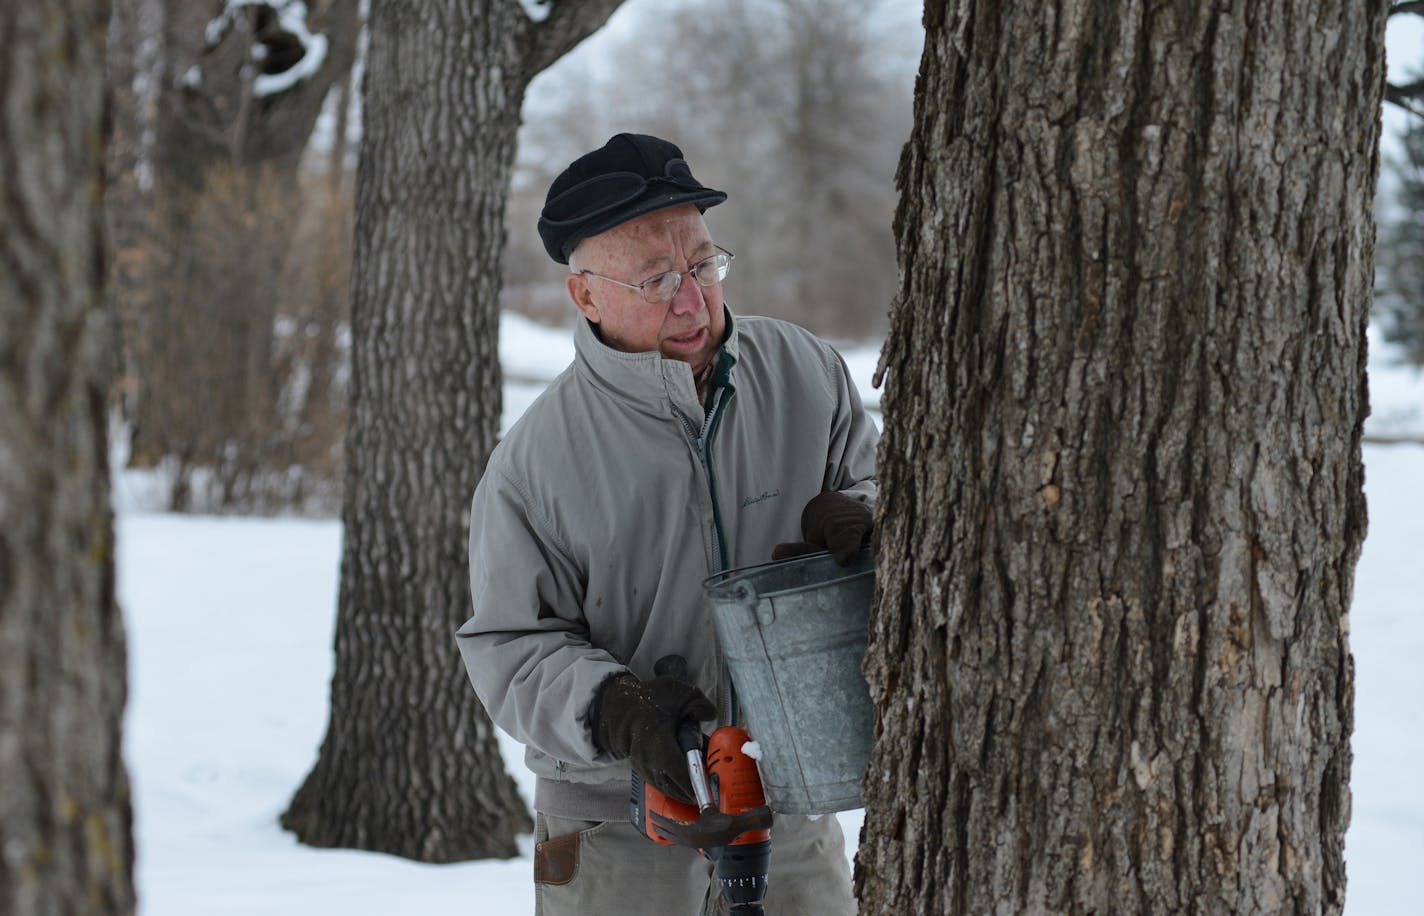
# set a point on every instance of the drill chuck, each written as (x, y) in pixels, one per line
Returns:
(742, 872)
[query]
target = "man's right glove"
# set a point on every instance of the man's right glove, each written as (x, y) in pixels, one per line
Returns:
(639, 719)
(831, 521)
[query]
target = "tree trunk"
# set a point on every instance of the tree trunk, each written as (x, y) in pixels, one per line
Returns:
(227, 161)
(213, 109)
(1121, 474)
(410, 764)
(65, 818)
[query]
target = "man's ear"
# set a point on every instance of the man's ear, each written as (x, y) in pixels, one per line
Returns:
(581, 293)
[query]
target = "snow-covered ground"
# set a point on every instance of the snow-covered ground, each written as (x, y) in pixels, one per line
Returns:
(230, 631)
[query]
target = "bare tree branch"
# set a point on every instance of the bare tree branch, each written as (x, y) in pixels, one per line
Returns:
(1413, 90)
(1409, 6)
(1393, 440)
(1410, 97)
(569, 22)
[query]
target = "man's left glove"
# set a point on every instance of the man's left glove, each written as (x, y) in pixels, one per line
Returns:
(639, 720)
(831, 521)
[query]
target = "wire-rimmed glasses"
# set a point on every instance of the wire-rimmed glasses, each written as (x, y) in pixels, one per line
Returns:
(709, 271)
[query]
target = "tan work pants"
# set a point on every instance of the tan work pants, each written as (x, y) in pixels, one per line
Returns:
(587, 868)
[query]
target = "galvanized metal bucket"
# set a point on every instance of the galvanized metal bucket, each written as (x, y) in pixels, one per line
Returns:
(793, 634)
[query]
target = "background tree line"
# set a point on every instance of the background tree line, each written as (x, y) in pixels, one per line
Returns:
(231, 209)
(1399, 296)
(231, 241)
(797, 108)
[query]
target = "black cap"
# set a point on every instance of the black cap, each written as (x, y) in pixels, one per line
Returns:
(630, 175)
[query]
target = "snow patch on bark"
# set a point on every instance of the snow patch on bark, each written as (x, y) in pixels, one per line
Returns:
(292, 18)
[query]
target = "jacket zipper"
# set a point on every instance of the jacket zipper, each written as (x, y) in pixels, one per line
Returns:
(711, 478)
(728, 696)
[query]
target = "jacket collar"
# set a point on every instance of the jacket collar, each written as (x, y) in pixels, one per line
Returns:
(647, 379)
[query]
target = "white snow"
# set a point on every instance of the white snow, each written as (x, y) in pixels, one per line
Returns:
(537, 10)
(1385, 845)
(230, 633)
(752, 750)
(1396, 393)
(292, 15)
(310, 64)
(530, 349)
(218, 27)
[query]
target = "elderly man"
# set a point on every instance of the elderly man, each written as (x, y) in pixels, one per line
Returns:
(682, 441)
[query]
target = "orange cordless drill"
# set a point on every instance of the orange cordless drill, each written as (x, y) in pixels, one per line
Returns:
(730, 824)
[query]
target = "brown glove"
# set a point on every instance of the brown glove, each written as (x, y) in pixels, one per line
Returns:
(639, 720)
(831, 521)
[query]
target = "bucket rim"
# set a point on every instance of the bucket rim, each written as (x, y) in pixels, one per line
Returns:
(720, 586)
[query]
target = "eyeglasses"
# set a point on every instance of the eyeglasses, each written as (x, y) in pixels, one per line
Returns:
(656, 290)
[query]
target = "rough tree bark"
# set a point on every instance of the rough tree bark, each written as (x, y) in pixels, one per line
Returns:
(1121, 475)
(410, 764)
(65, 816)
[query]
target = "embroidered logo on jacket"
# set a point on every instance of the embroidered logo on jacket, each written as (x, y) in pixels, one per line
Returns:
(753, 500)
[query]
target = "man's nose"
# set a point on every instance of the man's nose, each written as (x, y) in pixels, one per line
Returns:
(688, 300)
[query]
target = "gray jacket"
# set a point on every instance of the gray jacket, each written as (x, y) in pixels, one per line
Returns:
(607, 504)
